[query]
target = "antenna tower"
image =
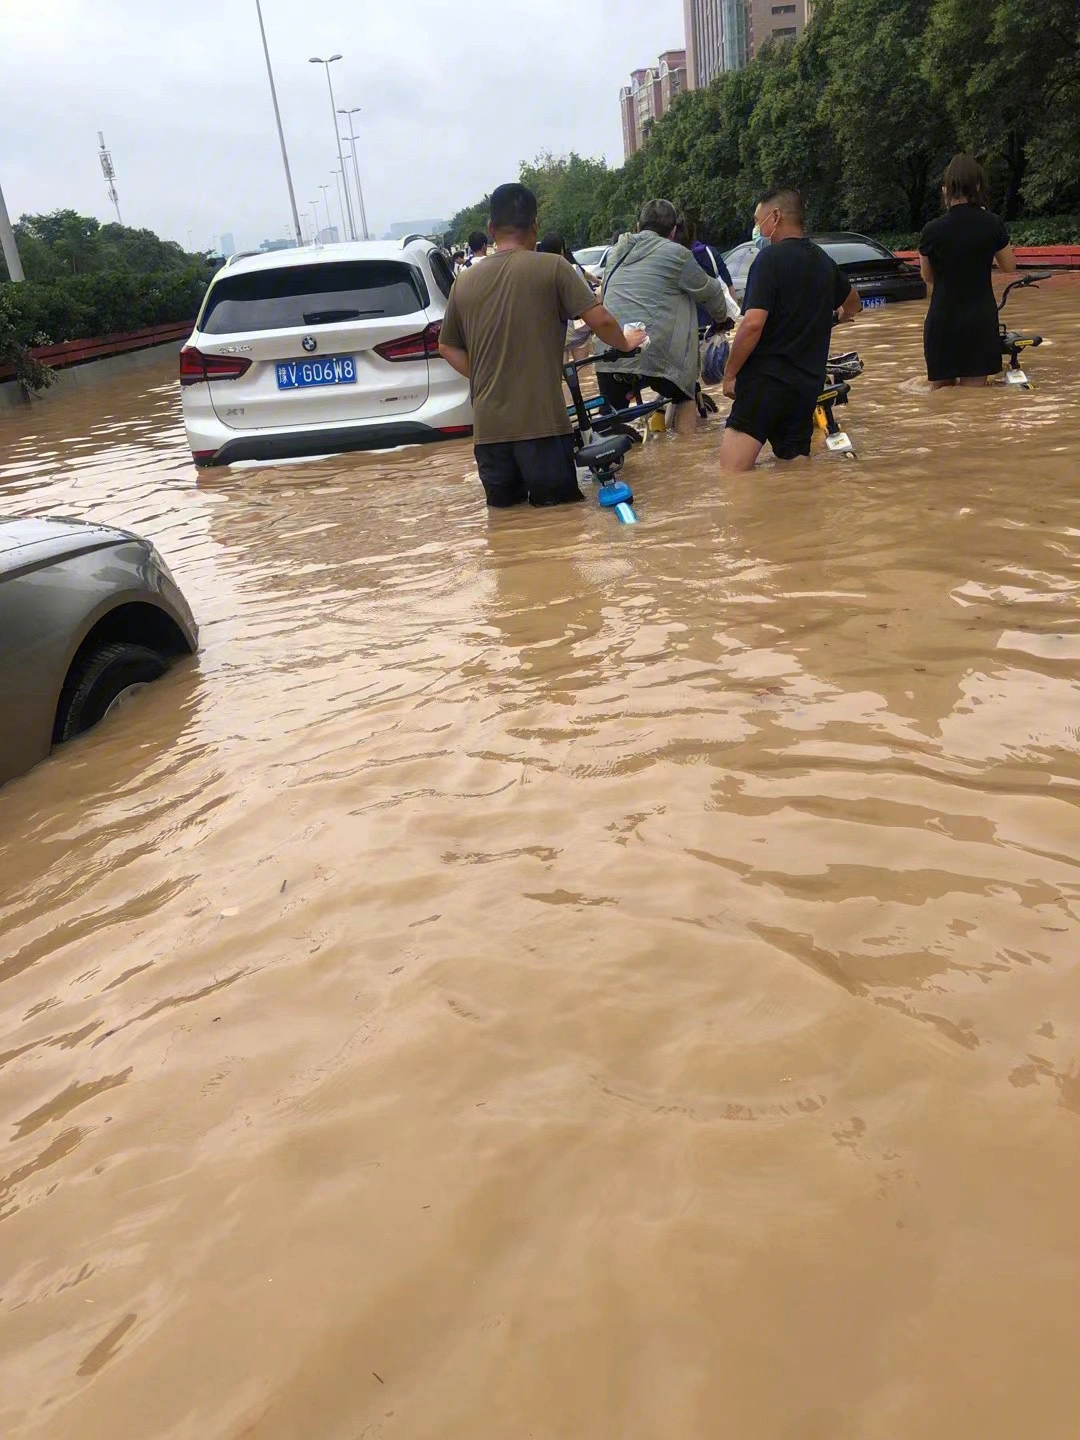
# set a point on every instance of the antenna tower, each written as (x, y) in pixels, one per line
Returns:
(108, 170)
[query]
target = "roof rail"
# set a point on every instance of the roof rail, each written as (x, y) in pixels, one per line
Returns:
(241, 255)
(410, 238)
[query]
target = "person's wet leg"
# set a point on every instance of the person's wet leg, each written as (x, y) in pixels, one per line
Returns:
(549, 470)
(504, 485)
(738, 451)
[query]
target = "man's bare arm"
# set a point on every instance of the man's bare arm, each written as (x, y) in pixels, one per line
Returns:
(745, 343)
(851, 306)
(457, 359)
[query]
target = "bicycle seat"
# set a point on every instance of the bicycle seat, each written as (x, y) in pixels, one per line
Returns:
(604, 454)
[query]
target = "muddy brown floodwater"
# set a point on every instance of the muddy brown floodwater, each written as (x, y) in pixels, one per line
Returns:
(536, 977)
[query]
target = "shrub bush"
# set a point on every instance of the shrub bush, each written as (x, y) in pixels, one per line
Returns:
(1056, 230)
(82, 307)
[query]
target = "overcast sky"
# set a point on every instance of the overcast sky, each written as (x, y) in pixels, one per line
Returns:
(454, 95)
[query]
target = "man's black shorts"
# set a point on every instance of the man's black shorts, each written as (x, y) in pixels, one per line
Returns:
(621, 391)
(775, 413)
(540, 471)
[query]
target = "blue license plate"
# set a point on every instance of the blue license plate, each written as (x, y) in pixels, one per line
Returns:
(873, 302)
(332, 370)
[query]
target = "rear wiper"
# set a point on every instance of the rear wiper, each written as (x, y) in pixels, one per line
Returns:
(327, 317)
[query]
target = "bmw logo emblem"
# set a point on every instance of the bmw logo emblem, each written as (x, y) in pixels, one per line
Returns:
(309, 343)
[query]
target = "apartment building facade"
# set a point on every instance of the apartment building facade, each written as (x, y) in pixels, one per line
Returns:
(650, 94)
(726, 34)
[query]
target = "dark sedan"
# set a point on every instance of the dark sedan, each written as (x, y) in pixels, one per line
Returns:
(877, 274)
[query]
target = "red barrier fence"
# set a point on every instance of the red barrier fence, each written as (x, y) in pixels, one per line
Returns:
(1030, 257)
(78, 352)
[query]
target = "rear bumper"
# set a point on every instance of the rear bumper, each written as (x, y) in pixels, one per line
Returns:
(332, 441)
(891, 289)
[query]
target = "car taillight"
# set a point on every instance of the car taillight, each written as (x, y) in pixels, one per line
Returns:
(424, 345)
(196, 367)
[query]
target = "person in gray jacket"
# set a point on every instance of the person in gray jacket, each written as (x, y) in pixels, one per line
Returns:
(652, 280)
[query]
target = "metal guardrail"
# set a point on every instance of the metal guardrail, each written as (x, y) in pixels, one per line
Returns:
(79, 352)
(1039, 257)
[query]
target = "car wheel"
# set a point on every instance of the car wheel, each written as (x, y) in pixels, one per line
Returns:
(104, 681)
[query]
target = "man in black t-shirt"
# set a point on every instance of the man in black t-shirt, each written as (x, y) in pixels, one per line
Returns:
(776, 369)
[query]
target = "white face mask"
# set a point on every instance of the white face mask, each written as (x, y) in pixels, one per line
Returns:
(759, 238)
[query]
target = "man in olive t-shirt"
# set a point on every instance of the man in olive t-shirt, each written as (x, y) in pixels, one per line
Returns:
(505, 330)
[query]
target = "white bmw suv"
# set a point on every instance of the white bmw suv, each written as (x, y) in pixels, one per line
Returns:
(322, 349)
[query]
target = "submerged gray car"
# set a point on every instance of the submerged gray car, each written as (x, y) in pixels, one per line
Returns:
(88, 616)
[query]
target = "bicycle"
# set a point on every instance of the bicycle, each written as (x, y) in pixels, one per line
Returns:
(839, 372)
(603, 436)
(1013, 342)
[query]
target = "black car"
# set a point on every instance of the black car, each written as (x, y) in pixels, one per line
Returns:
(876, 273)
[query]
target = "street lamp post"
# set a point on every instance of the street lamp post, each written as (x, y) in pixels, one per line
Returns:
(356, 168)
(7, 243)
(338, 177)
(326, 202)
(314, 220)
(316, 60)
(280, 131)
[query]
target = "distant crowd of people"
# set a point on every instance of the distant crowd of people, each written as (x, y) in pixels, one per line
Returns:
(519, 302)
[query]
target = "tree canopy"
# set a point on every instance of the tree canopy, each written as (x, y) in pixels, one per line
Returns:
(861, 113)
(66, 243)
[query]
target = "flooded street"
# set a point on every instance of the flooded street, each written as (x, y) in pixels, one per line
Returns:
(533, 977)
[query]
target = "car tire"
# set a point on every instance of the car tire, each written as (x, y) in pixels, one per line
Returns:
(107, 677)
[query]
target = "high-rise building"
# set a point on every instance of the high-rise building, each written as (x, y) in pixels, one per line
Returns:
(228, 244)
(650, 94)
(725, 34)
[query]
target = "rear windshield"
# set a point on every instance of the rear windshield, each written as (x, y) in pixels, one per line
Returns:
(592, 256)
(855, 253)
(296, 296)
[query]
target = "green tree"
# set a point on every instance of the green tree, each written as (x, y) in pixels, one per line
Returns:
(472, 217)
(71, 239)
(875, 69)
(566, 189)
(122, 248)
(861, 113)
(1008, 74)
(789, 139)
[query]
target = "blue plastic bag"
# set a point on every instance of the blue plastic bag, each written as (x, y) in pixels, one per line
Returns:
(715, 349)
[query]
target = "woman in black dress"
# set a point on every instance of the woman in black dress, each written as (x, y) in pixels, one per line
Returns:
(957, 254)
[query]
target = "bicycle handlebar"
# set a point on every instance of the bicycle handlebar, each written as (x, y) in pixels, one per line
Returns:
(604, 355)
(1033, 279)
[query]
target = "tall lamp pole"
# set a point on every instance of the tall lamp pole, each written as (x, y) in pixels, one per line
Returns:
(356, 168)
(7, 243)
(326, 202)
(280, 131)
(338, 177)
(316, 60)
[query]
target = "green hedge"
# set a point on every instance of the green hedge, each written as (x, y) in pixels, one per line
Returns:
(1057, 230)
(82, 307)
